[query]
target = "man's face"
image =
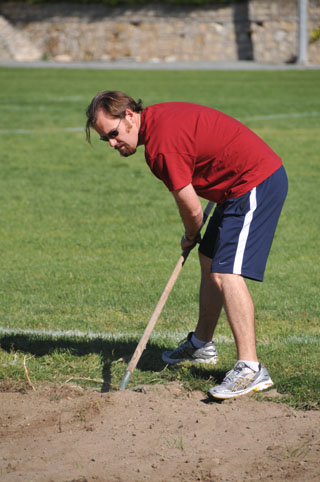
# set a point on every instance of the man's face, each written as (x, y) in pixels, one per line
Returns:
(121, 133)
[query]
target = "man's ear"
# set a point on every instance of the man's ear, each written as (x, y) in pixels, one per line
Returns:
(130, 115)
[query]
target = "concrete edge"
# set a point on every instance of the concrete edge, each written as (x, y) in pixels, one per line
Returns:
(124, 64)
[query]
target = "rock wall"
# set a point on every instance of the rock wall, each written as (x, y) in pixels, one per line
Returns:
(261, 30)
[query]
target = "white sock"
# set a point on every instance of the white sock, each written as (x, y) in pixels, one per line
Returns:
(196, 342)
(251, 364)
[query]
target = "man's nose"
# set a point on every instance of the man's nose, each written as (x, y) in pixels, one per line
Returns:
(112, 142)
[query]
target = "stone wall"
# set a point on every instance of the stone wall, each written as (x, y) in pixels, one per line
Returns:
(261, 30)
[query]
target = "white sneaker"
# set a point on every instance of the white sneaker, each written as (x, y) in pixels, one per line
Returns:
(240, 380)
(186, 351)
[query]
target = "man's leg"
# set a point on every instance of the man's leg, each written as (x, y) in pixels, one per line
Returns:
(230, 291)
(239, 309)
(210, 302)
(247, 375)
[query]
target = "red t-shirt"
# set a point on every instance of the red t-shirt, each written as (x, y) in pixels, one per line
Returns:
(192, 144)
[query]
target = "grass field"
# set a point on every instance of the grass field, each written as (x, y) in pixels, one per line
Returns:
(88, 239)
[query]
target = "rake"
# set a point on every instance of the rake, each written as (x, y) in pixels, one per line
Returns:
(155, 315)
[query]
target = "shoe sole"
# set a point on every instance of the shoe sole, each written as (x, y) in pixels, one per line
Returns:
(172, 361)
(261, 386)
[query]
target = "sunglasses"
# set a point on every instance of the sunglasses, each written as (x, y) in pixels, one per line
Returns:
(112, 134)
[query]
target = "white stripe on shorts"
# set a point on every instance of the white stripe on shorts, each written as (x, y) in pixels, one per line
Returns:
(237, 266)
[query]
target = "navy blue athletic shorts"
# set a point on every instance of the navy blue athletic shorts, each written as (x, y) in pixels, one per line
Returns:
(240, 231)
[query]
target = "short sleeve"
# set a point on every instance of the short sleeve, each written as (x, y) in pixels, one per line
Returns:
(174, 169)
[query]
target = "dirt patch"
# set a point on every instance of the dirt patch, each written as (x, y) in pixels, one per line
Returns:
(162, 433)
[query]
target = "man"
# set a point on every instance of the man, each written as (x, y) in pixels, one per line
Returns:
(199, 151)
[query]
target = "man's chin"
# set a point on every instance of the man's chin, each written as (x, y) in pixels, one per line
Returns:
(126, 152)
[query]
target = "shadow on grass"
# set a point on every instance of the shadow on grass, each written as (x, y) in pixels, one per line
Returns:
(109, 351)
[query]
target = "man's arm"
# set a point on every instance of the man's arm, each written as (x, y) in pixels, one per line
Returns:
(191, 214)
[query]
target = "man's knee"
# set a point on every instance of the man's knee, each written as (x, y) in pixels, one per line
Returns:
(222, 280)
(218, 279)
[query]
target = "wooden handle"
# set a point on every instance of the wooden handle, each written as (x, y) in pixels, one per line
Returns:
(157, 311)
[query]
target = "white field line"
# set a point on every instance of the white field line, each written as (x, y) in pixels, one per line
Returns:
(69, 98)
(42, 131)
(291, 115)
(175, 336)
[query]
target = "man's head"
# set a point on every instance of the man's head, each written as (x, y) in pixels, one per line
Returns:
(116, 118)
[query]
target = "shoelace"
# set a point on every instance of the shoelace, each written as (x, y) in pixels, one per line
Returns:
(181, 343)
(232, 374)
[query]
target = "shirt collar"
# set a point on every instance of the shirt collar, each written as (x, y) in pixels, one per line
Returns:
(142, 130)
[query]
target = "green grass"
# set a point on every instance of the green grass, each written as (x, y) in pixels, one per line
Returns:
(88, 240)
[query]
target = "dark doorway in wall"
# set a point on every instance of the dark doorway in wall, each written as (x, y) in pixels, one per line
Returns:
(242, 27)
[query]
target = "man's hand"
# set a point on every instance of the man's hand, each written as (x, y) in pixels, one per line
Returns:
(189, 243)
